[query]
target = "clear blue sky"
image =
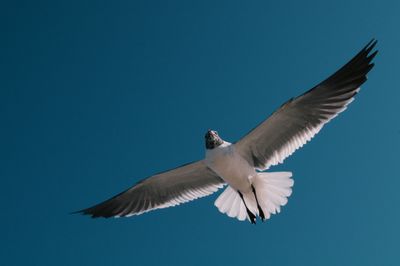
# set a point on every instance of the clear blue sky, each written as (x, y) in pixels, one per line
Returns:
(97, 95)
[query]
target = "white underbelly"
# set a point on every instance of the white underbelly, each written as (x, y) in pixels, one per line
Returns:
(231, 167)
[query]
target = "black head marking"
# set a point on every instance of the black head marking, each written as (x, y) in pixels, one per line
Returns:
(212, 139)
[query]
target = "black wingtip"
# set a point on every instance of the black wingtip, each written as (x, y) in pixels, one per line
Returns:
(354, 71)
(371, 56)
(82, 212)
(88, 212)
(370, 45)
(105, 209)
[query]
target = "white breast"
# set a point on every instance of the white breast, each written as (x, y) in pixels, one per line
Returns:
(230, 166)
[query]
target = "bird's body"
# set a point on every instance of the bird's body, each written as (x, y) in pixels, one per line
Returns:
(250, 192)
(225, 161)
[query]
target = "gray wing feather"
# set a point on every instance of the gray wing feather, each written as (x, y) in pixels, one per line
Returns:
(182, 184)
(301, 118)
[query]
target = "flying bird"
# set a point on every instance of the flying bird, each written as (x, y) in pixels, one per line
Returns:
(251, 192)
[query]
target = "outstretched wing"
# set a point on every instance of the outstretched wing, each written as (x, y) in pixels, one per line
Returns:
(182, 184)
(299, 119)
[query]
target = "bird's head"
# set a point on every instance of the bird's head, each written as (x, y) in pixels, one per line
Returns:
(212, 139)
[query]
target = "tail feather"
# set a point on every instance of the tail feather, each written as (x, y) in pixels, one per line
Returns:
(235, 209)
(229, 202)
(272, 190)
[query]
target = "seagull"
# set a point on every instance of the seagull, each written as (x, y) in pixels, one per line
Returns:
(251, 192)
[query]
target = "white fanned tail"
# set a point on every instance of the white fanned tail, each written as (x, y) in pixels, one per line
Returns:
(273, 190)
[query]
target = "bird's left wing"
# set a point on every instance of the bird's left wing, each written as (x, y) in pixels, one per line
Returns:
(167, 189)
(299, 119)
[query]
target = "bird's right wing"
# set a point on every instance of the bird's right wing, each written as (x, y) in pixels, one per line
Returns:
(167, 189)
(299, 119)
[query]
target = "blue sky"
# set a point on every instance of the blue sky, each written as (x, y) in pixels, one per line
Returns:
(96, 95)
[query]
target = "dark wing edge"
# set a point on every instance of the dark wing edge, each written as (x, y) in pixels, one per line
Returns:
(167, 189)
(353, 73)
(301, 118)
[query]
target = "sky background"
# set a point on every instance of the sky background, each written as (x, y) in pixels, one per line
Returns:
(96, 95)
